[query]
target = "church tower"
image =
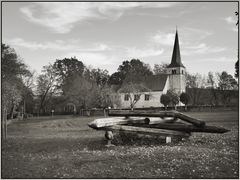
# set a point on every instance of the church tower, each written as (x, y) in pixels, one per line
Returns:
(176, 70)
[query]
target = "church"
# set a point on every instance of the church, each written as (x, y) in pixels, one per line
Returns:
(174, 80)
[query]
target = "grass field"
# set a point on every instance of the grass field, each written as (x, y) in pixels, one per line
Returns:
(65, 147)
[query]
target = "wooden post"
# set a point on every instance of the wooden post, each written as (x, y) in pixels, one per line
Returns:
(104, 112)
(168, 139)
(109, 137)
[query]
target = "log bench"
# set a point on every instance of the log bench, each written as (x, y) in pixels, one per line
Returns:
(167, 124)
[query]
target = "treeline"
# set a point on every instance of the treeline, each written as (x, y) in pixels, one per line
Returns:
(68, 85)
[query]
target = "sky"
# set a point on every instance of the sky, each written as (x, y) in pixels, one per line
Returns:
(104, 34)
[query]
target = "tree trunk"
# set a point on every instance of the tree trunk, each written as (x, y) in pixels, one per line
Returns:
(143, 130)
(185, 127)
(2, 123)
(161, 114)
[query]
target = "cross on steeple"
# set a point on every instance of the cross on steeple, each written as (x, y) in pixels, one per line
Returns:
(176, 57)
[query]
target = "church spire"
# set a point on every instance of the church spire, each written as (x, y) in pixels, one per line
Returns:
(176, 57)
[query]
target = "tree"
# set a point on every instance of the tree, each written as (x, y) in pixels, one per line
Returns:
(174, 98)
(237, 63)
(97, 75)
(108, 98)
(160, 68)
(133, 91)
(165, 100)
(213, 85)
(116, 78)
(12, 68)
(236, 13)
(236, 69)
(130, 71)
(196, 82)
(83, 93)
(27, 92)
(226, 82)
(184, 98)
(46, 86)
(67, 69)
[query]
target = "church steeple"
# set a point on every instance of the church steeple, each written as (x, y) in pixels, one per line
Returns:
(176, 57)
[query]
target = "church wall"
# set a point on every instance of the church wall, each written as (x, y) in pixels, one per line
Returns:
(154, 100)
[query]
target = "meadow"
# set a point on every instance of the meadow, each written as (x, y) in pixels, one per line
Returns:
(65, 147)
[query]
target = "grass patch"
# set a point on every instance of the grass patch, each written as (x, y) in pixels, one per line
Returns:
(65, 147)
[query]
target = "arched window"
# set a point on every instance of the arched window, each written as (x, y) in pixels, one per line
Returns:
(174, 71)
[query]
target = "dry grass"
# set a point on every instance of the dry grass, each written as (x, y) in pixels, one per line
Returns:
(64, 147)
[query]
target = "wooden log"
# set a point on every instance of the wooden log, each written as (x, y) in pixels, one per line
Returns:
(194, 121)
(186, 128)
(143, 130)
(128, 113)
(162, 114)
(104, 122)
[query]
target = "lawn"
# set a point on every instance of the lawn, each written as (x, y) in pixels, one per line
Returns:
(65, 147)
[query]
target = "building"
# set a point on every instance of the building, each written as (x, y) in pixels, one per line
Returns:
(174, 80)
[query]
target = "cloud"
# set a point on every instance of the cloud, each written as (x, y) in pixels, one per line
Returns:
(95, 59)
(163, 38)
(201, 49)
(230, 20)
(235, 29)
(61, 17)
(217, 59)
(186, 36)
(58, 45)
(139, 53)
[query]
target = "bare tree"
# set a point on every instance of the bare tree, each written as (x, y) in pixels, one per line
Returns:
(160, 68)
(213, 85)
(46, 86)
(195, 82)
(134, 92)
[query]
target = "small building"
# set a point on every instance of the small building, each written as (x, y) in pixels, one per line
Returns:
(174, 80)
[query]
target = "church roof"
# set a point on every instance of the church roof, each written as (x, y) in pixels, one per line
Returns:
(176, 57)
(156, 82)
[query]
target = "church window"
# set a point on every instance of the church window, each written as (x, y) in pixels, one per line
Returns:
(147, 97)
(182, 72)
(174, 71)
(136, 97)
(126, 97)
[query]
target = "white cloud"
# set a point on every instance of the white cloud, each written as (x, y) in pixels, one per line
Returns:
(186, 36)
(230, 20)
(235, 29)
(139, 53)
(217, 59)
(58, 45)
(163, 38)
(94, 59)
(201, 49)
(61, 17)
